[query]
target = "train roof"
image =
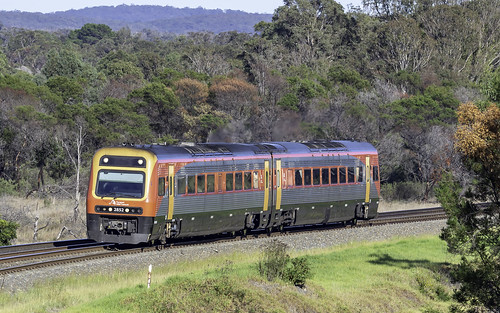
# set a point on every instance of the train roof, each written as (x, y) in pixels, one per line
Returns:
(187, 150)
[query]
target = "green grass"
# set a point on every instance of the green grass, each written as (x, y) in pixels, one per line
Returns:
(399, 275)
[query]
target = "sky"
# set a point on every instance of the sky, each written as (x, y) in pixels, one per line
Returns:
(47, 6)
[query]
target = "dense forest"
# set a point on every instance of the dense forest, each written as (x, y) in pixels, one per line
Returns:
(392, 74)
(139, 18)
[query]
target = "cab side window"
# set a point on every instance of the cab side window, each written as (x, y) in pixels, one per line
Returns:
(161, 186)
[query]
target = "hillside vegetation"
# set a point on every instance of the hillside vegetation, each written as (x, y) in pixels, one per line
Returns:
(393, 76)
(138, 18)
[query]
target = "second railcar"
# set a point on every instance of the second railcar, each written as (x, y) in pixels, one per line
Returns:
(154, 192)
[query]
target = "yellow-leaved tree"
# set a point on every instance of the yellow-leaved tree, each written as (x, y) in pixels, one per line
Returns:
(473, 229)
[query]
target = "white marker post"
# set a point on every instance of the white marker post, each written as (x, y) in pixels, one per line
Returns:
(149, 275)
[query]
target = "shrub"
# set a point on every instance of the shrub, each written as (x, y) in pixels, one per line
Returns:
(7, 232)
(299, 271)
(274, 260)
(276, 263)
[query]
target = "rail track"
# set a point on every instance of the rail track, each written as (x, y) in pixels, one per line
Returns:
(32, 256)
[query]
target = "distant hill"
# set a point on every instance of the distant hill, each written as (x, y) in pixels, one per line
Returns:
(164, 19)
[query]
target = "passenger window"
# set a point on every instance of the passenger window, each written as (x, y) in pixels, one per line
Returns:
(350, 175)
(210, 183)
(360, 174)
(334, 176)
(238, 181)
(342, 175)
(298, 177)
(247, 180)
(307, 177)
(255, 180)
(375, 173)
(191, 184)
(161, 186)
(325, 176)
(229, 181)
(181, 185)
(200, 187)
(316, 176)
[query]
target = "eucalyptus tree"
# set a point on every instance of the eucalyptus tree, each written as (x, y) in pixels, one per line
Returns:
(310, 29)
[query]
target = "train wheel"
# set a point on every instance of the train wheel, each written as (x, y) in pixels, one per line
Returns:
(268, 231)
(354, 222)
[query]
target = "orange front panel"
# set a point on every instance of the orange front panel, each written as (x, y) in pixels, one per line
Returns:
(147, 203)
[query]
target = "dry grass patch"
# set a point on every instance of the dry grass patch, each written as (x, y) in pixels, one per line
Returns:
(43, 219)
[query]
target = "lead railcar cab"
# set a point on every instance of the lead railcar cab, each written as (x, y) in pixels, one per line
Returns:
(154, 192)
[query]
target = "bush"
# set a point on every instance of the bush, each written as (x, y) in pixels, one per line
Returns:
(274, 260)
(7, 232)
(299, 271)
(276, 263)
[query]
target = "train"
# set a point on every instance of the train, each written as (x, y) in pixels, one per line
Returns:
(156, 193)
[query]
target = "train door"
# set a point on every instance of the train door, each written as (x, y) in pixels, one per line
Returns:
(277, 185)
(367, 180)
(267, 184)
(170, 211)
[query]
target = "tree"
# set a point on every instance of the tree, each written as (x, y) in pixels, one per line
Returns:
(473, 230)
(63, 62)
(91, 33)
(159, 103)
(191, 92)
(309, 28)
(455, 31)
(29, 48)
(234, 96)
(404, 46)
(69, 89)
(116, 121)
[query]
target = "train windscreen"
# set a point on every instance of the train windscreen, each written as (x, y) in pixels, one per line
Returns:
(120, 184)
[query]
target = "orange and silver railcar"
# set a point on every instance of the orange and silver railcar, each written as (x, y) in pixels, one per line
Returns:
(154, 192)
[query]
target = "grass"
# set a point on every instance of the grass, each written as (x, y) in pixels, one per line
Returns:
(398, 275)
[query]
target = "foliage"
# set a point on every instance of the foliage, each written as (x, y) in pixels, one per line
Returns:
(274, 259)
(313, 70)
(473, 230)
(435, 107)
(91, 33)
(7, 187)
(63, 62)
(402, 191)
(299, 271)
(275, 263)
(7, 232)
(491, 86)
